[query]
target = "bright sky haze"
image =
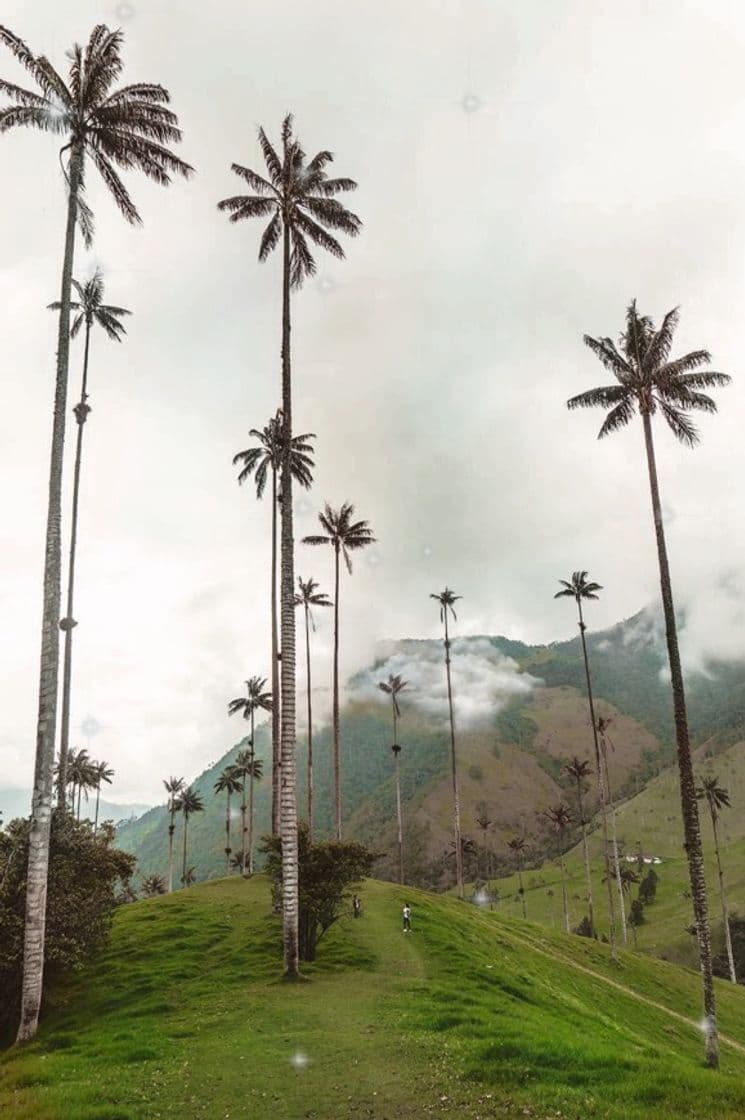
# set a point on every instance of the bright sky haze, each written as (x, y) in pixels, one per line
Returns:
(524, 171)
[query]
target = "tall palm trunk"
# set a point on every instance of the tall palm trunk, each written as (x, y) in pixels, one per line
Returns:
(585, 850)
(456, 794)
(183, 869)
(171, 830)
(310, 725)
(564, 895)
(227, 834)
(251, 803)
(689, 805)
(288, 776)
(41, 803)
(522, 888)
(98, 799)
(68, 622)
(399, 815)
(723, 898)
(276, 745)
(614, 846)
(244, 829)
(335, 717)
(601, 790)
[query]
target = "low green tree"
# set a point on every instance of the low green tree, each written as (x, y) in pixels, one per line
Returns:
(328, 872)
(86, 873)
(648, 887)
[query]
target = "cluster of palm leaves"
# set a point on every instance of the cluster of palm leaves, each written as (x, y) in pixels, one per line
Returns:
(83, 775)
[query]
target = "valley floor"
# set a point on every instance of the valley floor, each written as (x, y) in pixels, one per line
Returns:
(472, 1014)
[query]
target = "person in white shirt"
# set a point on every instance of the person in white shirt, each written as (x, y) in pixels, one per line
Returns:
(407, 917)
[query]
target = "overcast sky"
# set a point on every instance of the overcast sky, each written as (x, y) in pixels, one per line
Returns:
(524, 171)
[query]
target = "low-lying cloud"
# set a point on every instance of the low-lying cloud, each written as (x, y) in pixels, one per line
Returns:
(483, 680)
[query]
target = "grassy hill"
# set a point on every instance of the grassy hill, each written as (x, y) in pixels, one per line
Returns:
(652, 820)
(473, 1015)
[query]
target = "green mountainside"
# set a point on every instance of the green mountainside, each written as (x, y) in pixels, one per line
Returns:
(510, 758)
(473, 1015)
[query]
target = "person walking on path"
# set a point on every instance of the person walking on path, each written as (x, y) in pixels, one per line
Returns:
(407, 917)
(356, 906)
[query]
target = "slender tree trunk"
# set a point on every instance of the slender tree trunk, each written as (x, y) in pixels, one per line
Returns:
(80, 798)
(723, 898)
(98, 797)
(68, 623)
(564, 896)
(335, 717)
(183, 871)
(522, 888)
(41, 802)
(288, 789)
(227, 834)
(587, 859)
(689, 805)
(310, 727)
(614, 845)
(399, 815)
(251, 802)
(244, 830)
(276, 745)
(171, 830)
(601, 790)
(454, 769)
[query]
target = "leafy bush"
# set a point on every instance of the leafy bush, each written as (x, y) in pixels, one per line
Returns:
(84, 872)
(648, 887)
(327, 872)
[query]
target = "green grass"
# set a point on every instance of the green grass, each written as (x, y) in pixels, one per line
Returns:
(473, 1014)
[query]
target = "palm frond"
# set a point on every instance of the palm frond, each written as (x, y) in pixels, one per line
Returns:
(618, 417)
(116, 187)
(272, 160)
(270, 236)
(661, 343)
(680, 425)
(605, 350)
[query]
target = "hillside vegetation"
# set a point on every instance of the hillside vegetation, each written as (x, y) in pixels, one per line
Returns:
(472, 1014)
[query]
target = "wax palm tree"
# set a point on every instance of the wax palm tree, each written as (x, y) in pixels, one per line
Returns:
(717, 798)
(229, 782)
(188, 802)
(486, 824)
(578, 770)
(298, 199)
(345, 536)
(605, 741)
(83, 775)
(561, 819)
(153, 885)
(649, 382)
(579, 588)
(247, 766)
(309, 596)
(103, 773)
(517, 847)
(91, 310)
(174, 786)
(257, 699)
(259, 462)
(127, 127)
(446, 599)
(393, 687)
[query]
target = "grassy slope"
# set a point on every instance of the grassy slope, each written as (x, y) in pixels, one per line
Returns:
(653, 819)
(473, 1014)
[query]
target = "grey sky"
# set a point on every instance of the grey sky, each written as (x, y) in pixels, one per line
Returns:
(598, 157)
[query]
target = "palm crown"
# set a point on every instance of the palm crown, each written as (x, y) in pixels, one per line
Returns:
(716, 796)
(577, 769)
(559, 816)
(578, 587)
(188, 802)
(229, 781)
(516, 844)
(446, 599)
(344, 534)
(91, 308)
(125, 128)
(393, 686)
(298, 196)
(648, 380)
(309, 596)
(268, 456)
(257, 699)
(246, 765)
